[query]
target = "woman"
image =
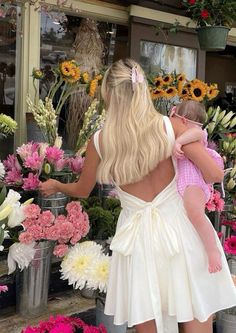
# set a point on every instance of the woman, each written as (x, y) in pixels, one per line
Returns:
(159, 272)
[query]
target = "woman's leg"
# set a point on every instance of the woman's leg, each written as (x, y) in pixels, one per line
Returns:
(195, 326)
(194, 202)
(147, 327)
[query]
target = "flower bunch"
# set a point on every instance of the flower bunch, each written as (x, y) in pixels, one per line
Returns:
(11, 213)
(86, 264)
(43, 225)
(215, 203)
(8, 126)
(228, 147)
(230, 245)
(65, 79)
(211, 12)
(219, 122)
(230, 185)
(38, 161)
(92, 121)
(64, 324)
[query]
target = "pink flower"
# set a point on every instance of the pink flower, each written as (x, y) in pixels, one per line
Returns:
(27, 150)
(76, 164)
(46, 218)
(29, 222)
(220, 234)
(54, 154)
(113, 194)
(11, 163)
(25, 237)
(13, 177)
(30, 329)
(76, 237)
(102, 328)
(62, 328)
(73, 208)
(60, 250)
(191, 2)
(230, 245)
(91, 329)
(34, 161)
(3, 289)
(31, 182)
(32, 211)
(66, 232)
(60, 219)
(60, 164)
(52, 233)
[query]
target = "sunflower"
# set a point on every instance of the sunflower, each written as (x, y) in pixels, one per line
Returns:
(184, 94)
(171, 92)
(181, 77)
(98, 77)
(158, 93)
(37, 74)
(93, 87)
(158, 81)
(66, 67)
(198, 90)
(167, 79)
(212, 91)
(180, 87)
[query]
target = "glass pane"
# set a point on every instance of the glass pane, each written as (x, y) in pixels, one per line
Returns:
(9, 33)
(157, 56)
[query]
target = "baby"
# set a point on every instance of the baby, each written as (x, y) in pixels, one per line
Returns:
(190, 182)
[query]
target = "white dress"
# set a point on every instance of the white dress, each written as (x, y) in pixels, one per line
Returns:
(159, 267)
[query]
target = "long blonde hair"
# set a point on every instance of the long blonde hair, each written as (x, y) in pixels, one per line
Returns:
(133, 138)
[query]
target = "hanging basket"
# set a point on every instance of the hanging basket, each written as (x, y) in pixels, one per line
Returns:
(212, 38)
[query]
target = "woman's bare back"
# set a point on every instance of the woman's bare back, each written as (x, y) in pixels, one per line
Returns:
(152, 184)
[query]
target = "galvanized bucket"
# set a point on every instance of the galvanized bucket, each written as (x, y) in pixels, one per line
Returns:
(32, 283)
(56, 203)
(107, 321)
(226, 321)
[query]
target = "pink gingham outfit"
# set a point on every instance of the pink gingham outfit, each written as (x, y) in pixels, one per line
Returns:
(189, 174)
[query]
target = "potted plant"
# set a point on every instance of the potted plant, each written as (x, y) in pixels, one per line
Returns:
(214, 19)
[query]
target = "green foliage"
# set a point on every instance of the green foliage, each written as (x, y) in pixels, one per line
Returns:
(103, 215)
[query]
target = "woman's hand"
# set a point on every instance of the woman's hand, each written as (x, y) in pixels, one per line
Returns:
(49, 187)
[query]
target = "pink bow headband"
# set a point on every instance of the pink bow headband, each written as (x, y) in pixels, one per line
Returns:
(174, 113)
(136, 77)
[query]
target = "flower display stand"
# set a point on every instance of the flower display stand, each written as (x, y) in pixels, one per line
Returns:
(212, 38)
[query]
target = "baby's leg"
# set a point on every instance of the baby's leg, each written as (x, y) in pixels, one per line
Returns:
(194, 202)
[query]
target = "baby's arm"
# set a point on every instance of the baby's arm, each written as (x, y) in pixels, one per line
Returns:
(190, 135)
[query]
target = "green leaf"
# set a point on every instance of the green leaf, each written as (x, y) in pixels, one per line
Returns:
(3, 194)
(1, 235)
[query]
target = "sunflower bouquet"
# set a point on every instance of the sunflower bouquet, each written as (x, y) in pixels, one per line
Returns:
(168, 89)
(60, 83)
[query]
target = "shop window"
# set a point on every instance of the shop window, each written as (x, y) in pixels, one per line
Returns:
(157, 56)
(66, 37)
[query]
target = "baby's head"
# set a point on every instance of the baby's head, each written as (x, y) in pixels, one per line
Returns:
(192, 110)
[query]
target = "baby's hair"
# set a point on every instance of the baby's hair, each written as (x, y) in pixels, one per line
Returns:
(192, 110)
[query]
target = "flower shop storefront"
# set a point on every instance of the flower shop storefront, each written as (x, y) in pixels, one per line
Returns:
(52, 58)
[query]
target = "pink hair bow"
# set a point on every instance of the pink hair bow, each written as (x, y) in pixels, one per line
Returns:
(136, 77)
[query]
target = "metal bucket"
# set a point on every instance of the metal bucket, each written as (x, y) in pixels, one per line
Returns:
(232, 264)
(226, 321)
(32, 283)
(56, 203)
(107, 321)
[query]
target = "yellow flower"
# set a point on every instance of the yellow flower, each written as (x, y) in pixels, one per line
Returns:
(93, 87)
(171, 92)
(158, 82)
(167, 79)
(85, 77)
(181, 77)
(198, 90)
(98, 77)
(157, 93)
(37, 74)
(184, 94)
(212, 91)
(66, 67)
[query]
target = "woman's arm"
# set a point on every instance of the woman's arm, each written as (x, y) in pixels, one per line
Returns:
(195, 151)
(86, 182)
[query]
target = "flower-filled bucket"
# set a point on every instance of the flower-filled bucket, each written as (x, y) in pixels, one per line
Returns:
(212, 38)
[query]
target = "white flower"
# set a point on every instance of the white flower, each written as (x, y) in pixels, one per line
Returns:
(1, 248)
(85, 264)
(2, 171)
(20, 254)
(58, 142)
(11, 199)
(17, 216)
(98, 273)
